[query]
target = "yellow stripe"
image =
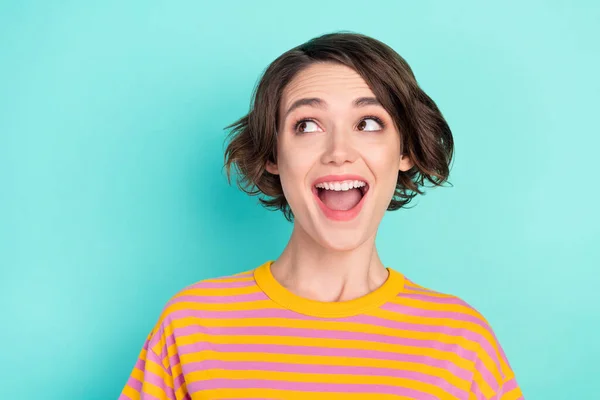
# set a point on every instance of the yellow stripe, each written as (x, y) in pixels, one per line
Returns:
(413, 288)
(484, 388)
(195, 305)
(341, 326)
(418, 289)
(513, 394)
(176, 369)
(149, 388)
(486, 360)
(165, 362)
(138, 374)
(181, 392)
(143, 354)
(317, 378)
(328, 360)
(237, 306)
(322, 343)
(226, 291)
(159, 345)
(317, 325)
(158, 370)
(439, 322)
(131, 393)
(431, 294)
(457, 324)
(233, 278)
(434, 306)
(296, 395)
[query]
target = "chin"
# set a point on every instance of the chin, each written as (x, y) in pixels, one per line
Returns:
(342, 244)
(341, 239)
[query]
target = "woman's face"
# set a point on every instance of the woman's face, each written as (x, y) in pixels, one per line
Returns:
(338, 155)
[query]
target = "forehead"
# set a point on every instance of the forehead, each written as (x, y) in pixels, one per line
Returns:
(329, 81)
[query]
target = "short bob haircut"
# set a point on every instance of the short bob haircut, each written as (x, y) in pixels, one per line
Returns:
(425, 136)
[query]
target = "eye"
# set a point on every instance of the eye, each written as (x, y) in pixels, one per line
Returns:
(304, 126)
(364, 126)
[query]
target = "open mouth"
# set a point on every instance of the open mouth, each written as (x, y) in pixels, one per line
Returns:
(341, 200)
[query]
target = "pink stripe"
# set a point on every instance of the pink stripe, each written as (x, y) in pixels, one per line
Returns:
(174, 359)
(134, 384)
(431, 299)
(410, 285)
(153, 342)
(487, 376)
(179, 380)
(225, 298)
(155, 379)
(509, 385)
(327, 352)
(327, 334)
(198, 386)
(150, 397)
(237, 314)
(420, 312)
(362, 319)
(327, 370)
(465, 333)
(137, 386)
(501, 350)
(477, 392)
(140, 364)
(220, 285)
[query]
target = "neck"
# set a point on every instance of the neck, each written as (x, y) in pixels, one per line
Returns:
(312, 271)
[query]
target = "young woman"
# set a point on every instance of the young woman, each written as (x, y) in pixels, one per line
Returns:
(338, 133)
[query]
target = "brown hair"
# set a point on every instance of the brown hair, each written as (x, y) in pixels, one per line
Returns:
(425, 136)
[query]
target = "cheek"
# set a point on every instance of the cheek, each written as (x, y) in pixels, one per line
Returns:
(384, 160)
(294, 168)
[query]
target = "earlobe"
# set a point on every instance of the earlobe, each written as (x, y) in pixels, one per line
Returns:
(272, 168)
(405, 163)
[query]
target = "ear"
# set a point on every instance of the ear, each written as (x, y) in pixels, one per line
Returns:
(405, 163)
(272, 168)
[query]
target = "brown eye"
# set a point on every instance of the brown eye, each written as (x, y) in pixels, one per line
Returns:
(301, 126)
(362, 125)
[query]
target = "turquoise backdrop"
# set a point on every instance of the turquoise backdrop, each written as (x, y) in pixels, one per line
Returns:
(113, 198)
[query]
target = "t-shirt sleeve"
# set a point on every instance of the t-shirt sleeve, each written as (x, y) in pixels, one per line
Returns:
(493, 377)
(151, 377)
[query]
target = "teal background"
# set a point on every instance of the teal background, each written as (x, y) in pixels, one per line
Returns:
(113, 198)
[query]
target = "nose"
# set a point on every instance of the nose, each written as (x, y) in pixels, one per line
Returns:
(338, 148)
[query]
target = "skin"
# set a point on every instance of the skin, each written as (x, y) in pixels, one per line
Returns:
(327, 260)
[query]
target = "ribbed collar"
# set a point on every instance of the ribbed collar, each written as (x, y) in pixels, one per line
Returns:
(393, 285)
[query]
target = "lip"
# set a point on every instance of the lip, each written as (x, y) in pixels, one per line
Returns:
(340, 215)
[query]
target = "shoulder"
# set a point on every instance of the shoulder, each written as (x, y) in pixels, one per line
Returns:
(457, 318)
(210, 295)
(204, 298)
(436, 304)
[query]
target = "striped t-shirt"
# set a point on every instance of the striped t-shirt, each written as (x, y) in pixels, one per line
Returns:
(246, 336)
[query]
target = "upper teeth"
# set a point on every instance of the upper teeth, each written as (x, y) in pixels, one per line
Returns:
(341, 185)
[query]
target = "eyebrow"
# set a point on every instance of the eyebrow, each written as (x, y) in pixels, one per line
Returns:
(320, 103)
